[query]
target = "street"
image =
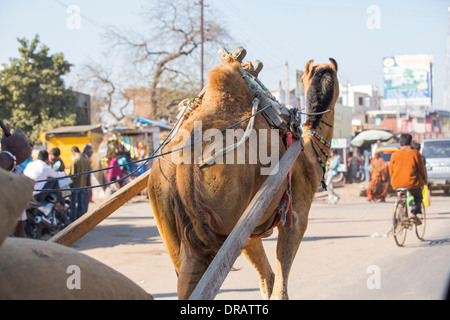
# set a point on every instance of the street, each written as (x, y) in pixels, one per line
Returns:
(347, 253)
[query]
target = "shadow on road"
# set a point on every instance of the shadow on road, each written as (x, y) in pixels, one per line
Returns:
(323, 238)
(103, 236)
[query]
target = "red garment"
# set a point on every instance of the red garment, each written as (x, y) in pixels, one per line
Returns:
(114, 172)
(379, 181)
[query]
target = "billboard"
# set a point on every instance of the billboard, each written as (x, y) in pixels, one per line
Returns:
(407, 80)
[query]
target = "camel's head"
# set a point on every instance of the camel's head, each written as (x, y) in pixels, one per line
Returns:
(322, 89)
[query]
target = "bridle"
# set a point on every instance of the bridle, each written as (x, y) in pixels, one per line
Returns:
(320, 140)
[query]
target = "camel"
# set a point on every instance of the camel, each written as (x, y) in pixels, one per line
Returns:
(197, 207)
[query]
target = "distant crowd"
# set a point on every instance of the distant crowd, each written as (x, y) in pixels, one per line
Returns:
(71, 184)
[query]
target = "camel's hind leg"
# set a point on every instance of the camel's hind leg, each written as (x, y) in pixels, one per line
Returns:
(288, 242)
(254, 252)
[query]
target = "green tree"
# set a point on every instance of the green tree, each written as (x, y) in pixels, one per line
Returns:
(32, 92)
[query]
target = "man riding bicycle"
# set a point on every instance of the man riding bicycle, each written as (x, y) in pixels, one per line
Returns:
(407, 170)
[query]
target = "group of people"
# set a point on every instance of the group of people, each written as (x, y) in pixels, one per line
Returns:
(50, 165)
(405, 170)
(15, 157)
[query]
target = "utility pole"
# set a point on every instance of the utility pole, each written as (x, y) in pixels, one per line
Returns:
(202, 40)
(447, 66)
(287, 96)
(347, 93)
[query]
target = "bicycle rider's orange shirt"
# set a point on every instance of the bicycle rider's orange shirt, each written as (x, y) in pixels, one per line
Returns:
(407, 169)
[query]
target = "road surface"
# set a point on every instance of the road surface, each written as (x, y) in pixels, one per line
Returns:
(347, 253)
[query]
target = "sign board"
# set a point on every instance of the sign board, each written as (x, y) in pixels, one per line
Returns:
(339, 143)
(407, 80)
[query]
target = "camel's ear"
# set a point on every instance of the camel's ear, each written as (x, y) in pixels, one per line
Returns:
(308, 66)
(333, 64)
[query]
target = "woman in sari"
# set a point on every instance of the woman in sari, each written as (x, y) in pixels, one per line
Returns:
(379, 182)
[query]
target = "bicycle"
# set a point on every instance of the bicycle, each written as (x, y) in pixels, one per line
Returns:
(402, 222)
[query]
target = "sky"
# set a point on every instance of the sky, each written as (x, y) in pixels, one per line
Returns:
(356, 33)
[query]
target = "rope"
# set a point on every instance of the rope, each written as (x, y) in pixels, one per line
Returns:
(316, 113)
(153, 156)
(174, 129)
(109, 168)
(235, 145)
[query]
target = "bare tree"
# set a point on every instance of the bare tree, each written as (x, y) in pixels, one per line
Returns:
(108, 95)
(161, 54)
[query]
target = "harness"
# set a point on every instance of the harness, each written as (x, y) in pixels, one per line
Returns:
(291, 129)
(288, 121)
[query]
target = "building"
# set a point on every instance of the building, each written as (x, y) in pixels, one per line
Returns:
(280, 95)
(168, 101)
(361, 98)
(420, 124)
(84, 102)
(447, 67)
(67, 137)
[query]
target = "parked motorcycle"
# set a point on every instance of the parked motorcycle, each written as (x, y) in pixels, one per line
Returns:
(44, 219)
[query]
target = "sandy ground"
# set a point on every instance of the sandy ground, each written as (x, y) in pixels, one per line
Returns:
(341, 242)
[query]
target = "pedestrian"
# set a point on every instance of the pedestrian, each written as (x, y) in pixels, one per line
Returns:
(115, 174)
(40, 170)
(123, 160)
(332, 171)
(350, 168)
(88, 151)
(56, 161)
(78, 197)
(417, 146)
(374, 147)
(367, 158)
(379, 182)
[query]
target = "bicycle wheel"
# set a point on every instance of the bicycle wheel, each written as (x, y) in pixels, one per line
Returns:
(398, 223)
(420, 229)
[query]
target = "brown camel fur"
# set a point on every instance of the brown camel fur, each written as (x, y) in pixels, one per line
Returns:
(196, 208)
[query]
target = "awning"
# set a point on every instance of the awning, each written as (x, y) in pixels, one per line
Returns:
(161, 124)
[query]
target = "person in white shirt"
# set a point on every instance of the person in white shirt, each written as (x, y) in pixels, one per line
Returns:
(41, 170)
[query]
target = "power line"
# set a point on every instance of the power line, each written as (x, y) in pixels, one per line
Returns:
(81, 15)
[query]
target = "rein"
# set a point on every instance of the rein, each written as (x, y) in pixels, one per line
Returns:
(153, 156)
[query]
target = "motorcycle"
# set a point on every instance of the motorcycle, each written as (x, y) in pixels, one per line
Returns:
(45, 219)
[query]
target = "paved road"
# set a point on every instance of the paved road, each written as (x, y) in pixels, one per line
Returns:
(346, 253)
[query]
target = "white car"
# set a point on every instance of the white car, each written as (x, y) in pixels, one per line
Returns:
(437, 161)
